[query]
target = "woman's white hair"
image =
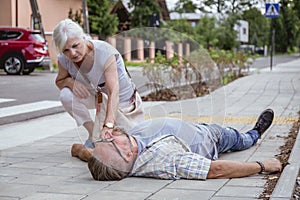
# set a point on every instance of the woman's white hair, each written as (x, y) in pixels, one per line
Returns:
(66, 29)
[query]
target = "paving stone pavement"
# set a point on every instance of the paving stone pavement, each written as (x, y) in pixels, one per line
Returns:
(44, 169)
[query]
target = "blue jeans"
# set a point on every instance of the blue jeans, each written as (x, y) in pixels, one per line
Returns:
(232, 140)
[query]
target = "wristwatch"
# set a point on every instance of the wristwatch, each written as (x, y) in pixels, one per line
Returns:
(109, 125)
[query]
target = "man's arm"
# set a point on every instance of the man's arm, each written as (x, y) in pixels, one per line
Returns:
(235, 169)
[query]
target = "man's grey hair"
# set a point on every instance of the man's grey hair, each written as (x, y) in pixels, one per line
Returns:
(102, 172)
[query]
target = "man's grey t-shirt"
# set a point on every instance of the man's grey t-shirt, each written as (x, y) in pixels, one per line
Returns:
(198, 136)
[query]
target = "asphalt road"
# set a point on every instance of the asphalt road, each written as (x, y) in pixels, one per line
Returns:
(264, 62)
(28, 88)
(40, 86)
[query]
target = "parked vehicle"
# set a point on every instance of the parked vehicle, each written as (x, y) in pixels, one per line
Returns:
(22, 50)
(251, 49)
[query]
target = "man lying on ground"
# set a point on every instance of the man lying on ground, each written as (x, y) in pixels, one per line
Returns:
(169, 148)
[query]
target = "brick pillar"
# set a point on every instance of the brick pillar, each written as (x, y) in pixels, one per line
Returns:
(112, 41)
(152, 51)
(180, 52)
(187, 49)
(169, 49)
(140, 50)
(127, 49)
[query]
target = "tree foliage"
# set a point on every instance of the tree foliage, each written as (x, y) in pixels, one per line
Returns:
(143, 9)
(101, 22)
(206, 32)
(226, 6)
(182, 26)
(287, 26)
(185, 6)
(258, 27)
(226, 35)
(76, 17)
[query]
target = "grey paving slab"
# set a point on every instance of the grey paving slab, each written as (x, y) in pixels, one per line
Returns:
(8, 198)
(239, 191)
(4, 179)
(33, 165)
(233, 198)
(9, 160)
(133, 184)
(212, 184)
(15, 172)
(238, 156)
(76, 188)
(53, 158)
(121, 195)
(181, 194)
(73, 163)
(18, 190)
(53, 196)
(84, 178)
(61, 171)
(252, 181)
(37, 179)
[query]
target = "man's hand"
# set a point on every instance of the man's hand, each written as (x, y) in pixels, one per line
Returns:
(106, 133)
(272, 165)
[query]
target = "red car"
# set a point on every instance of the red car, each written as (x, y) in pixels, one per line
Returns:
(21, 50)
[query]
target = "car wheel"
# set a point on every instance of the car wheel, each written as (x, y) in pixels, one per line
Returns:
(13, 64)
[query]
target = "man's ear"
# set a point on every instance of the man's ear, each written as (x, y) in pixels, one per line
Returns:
(129, 156)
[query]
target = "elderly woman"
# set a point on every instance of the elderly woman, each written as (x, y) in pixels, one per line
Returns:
(92, 74)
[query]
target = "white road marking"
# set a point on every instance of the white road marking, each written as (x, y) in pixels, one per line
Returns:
(2, 100)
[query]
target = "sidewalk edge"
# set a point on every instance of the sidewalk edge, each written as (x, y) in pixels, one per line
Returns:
(30, 115)
(286, 184)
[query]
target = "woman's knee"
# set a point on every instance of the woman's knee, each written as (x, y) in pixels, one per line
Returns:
(66, 96)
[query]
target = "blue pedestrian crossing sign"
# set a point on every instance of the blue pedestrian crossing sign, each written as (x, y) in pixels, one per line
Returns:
(272, 10)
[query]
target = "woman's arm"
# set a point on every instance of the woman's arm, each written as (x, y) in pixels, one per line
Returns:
(112, 87)
(63, 79)
(235, 169)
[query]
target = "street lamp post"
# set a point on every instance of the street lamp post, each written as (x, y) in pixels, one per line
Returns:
(272, 11)
(85, 17)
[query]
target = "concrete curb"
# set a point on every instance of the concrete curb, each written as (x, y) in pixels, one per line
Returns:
(30, 115)
(286, 184)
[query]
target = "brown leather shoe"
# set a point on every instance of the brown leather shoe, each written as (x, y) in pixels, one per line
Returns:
(78, 150)
(85, 154)
(75, 149)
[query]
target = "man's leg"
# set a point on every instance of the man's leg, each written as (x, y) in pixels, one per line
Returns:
(232, 140)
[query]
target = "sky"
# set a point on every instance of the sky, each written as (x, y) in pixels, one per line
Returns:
(261, 6)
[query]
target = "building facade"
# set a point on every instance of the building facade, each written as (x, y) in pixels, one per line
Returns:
(17, 13)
